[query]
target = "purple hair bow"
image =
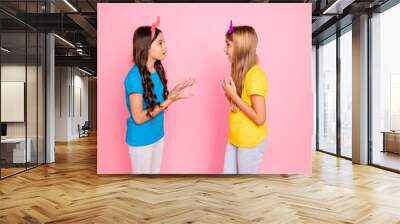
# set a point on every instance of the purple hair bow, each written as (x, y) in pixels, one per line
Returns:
(230, 30)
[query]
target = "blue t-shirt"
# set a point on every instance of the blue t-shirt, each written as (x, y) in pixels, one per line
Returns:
(152, 130)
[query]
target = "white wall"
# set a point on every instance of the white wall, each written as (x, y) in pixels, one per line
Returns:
(80, 83)
(62, 78)
(15, 72)
(71, 87)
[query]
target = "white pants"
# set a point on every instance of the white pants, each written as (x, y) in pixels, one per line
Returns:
(147, 159)
(243, 160)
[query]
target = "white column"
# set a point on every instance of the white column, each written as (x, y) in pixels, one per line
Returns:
(50, 91)
(50, 110)
(360, 90)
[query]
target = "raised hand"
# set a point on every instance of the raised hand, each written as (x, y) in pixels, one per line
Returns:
(183, 85)
(229, 87)
(179, 95)
(177, 92)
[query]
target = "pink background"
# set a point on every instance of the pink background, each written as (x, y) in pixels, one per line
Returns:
(196, 129)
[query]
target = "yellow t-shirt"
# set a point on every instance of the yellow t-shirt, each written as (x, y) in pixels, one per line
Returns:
(243, 132)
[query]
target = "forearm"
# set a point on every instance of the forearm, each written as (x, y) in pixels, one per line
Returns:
(249, 111)
(143, 116)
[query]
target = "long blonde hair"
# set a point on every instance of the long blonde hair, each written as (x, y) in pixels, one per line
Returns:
(245, 41)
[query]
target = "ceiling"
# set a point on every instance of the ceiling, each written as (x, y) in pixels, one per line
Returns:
(76, 22)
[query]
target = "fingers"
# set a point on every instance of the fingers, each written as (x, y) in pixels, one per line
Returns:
(188, 82)
(224, 85)
(226, 82)
(179, 94)
(223, 88)
(231, 82)
(185, 95)
(185, 84)
(227, 85)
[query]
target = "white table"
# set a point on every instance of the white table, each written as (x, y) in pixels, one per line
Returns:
(19, 149)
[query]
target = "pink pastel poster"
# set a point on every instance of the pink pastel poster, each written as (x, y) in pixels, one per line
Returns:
(243, 101)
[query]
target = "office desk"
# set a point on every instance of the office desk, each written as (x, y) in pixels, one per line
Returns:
(16, 147)
(391, 141)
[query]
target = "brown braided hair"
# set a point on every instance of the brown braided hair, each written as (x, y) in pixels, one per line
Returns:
(141, 45)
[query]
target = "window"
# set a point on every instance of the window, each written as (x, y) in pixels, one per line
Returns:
(327, 95)
(385, 88)
(22, 65)
(346, 93)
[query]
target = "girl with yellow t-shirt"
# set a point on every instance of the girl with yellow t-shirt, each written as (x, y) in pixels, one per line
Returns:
(246, 91)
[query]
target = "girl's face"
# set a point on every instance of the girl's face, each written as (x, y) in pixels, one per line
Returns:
(229, 49)
(158, 49)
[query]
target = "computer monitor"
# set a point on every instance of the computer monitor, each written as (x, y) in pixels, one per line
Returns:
(3, 129)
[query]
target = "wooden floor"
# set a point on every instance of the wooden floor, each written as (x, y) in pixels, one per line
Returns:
(388, 159)
(70, 191)
(5, 172)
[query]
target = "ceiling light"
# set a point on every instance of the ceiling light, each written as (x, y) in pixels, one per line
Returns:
(64, 40)
(84, 71)
(70, 5)
(5, 50)
(338, 6)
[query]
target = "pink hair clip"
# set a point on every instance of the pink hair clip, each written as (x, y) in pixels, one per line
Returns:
(154, 27)
(230, 30)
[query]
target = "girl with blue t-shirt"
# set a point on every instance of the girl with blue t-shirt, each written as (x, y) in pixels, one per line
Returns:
(147, 97)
